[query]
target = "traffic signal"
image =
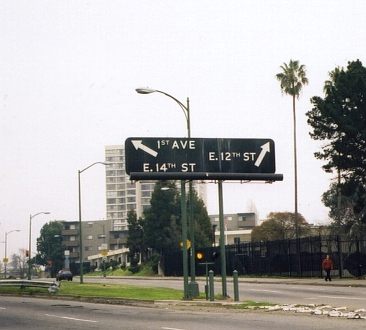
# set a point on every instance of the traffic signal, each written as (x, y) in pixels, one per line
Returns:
(200, 256)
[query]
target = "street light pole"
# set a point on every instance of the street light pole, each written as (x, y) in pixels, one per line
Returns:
(80, 229)
(30, 243)
(186, 111)
(6, 250)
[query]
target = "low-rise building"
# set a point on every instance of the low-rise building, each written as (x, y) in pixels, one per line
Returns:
(237, 227)
(97, 236)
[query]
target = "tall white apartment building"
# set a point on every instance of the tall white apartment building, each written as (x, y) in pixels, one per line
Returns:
(124, 195)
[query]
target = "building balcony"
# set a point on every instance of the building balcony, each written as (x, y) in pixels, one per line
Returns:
(74, 255)
(70, 243)
(70, 232)
(115, 241)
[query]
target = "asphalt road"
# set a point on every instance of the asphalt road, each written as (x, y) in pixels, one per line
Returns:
(318, 293)
(31, 313)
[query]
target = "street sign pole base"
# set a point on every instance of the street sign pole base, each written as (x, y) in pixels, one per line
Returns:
(193, 290)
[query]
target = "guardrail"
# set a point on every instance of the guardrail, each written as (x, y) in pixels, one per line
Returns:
(51, 286)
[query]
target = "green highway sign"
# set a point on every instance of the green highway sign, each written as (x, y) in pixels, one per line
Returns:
(200, 158)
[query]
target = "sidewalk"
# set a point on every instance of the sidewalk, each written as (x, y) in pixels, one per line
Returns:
(354, 282)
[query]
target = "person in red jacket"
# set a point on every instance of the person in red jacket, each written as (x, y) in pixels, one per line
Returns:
(327, 266)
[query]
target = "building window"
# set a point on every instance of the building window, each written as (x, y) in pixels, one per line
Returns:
(147, 186)
(236, 240)
(131, 192)
(72, 238)
(146, 194)
(90, 237)
(88, 248)
(72, 227)
(131, 206)
(145, 201)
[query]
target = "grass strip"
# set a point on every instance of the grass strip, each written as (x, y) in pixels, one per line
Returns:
(122, 291)
(119, 291)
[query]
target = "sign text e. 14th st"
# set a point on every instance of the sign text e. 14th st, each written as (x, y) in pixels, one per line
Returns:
(198, 155)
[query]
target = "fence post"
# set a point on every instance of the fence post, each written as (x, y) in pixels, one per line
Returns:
(212, 289)
(340, 257)
(320, 256)
(311, 255)
(289, 257)
(236, 285)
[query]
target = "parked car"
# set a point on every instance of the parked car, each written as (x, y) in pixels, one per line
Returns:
(64, 275)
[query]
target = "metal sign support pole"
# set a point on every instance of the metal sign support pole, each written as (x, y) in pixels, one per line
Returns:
(222, 240)
(184, 237)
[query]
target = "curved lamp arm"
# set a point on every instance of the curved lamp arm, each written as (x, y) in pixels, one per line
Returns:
(103, 163)
(185, 108)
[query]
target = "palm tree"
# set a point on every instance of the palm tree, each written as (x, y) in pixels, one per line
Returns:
(292, 79)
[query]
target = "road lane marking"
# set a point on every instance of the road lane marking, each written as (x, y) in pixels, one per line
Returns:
(2, 308)
(337, 297)
(258, 290)
(71, 318)
(165, 328)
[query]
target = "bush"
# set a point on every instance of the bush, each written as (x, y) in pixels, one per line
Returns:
(113, 264)
(153, 262)
(134, 269)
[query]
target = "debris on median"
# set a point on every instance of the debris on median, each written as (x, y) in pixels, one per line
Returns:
(319, 310)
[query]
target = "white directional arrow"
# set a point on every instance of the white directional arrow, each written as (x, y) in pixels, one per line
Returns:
(138, 145)
(265, 148)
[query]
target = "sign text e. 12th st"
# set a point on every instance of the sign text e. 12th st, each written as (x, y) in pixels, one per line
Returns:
(199, 155)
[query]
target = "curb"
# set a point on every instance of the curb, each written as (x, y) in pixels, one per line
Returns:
(287, 281)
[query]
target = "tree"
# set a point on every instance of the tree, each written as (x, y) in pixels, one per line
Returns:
(202, 223)
(161, 223)
(348, 209)
(135, 240)
(19, 263)
(280, 226)
(339, 119)
(49, 247)
(292, 79)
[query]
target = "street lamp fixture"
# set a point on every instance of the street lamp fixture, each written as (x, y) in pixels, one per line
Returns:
(80, 230)
(30, 243)
(5, 250)
(193, 284)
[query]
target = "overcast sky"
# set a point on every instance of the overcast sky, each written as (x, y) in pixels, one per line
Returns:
(68, 73)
